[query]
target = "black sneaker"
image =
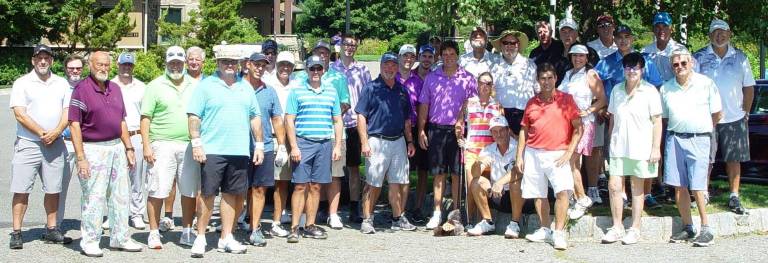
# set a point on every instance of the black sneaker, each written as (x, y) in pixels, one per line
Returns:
(16, 242)
(735, 205)
(54, 236)
(682, 236)
(315, 232)
(354, 215)
(294, 236)
(704, 239)
(651, 203)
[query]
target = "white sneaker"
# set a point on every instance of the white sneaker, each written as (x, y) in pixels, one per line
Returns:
(230, 245)
(105, 225)
(187, 238)
(579, 208)
(154, 240)
(434, 221)
(166, 224)
(631, 236)
(481, 228)
(198, 248)
(594, 194)
(334, 221)
(614, 234)
(138, 222)
(278, 231)
(543, 234)
(513, 230)
(127, 246)
(92, 251)
(560, 240)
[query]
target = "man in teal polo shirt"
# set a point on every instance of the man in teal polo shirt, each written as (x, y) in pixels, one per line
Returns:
(166, 146)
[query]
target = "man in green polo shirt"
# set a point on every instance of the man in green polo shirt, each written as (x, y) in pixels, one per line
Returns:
(166, 146)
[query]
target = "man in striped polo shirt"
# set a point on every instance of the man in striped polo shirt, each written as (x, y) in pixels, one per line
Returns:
(313, 118)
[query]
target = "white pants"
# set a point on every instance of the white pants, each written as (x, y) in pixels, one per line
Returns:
(540, 170)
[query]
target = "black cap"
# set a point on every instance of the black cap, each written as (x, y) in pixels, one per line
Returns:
(42, 48)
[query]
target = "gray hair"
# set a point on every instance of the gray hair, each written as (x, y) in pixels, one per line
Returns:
(196, 49)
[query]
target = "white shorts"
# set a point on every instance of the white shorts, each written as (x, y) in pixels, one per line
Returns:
(337, 167)
(540, 169)
(388, 159)
(173, 160)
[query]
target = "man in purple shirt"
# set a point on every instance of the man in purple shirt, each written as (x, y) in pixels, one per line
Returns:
(357, 76)
(413, 83)
(104, 156)
(444, 91)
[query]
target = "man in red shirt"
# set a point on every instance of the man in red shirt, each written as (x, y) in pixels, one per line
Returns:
(551, 128)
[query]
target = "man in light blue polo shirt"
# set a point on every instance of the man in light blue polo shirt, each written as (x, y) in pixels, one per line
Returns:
(691, 103)
(223, 113)
(313, 126)
(611, 70)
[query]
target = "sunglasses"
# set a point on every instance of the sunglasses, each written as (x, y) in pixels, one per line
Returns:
(171, 54)
(510, 43)
(604, 25)
(228, 62)
(633, 69)
(316, 69)
(680, 64)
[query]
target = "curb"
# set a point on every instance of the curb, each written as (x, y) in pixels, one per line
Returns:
(653, 229)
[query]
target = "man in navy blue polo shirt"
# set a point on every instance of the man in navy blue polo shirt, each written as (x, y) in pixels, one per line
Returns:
(383, 119)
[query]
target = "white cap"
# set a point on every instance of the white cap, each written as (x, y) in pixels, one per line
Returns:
(285, 56)
(175, 53)
(498, 121)
(578, 49)
(227, 52)
(568, 22)
(718, 24)
(407, 48)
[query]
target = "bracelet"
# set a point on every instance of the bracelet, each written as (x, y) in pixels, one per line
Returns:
(197, 142)
(258, 146)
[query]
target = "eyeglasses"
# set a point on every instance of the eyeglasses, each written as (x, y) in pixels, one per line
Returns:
(269, 53)
(349, 45)
(171, 54)
(487, 83)
(680, 64)
(510, 43)
(316, 69)
(75, 68)
(633, 69)
(228, 62)
(604, 25)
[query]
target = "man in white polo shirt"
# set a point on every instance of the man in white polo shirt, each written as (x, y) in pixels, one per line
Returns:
(478, 59)
(39, 101)
(604, 44)
(133, 92)
(729, 67)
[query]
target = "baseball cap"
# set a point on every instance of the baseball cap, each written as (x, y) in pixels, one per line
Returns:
(718, 24)
(662, 17)
(407, 48)
(519, 35)
(623, 29)
(256, 56)
(314, 61)
(42, 48)
(568, 22)
(578, 49)
(605, 19)
(427, 48)
(388, 56)
(227, 52)
(268, 44)
(476, 30)
(322, 44)
(498, 121)
(285, 56)
(126, 57)
(175, 53)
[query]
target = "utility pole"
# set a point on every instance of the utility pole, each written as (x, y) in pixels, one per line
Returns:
(346, 27)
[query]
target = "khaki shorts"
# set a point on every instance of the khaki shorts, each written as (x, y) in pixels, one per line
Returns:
(337, 167)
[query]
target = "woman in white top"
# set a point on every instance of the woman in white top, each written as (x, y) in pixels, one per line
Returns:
(584, 84)
(635, 130)
(284, 68)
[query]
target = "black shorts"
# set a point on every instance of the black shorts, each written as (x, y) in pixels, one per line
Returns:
(503, 204)
(443, 149)
(262, 175)
(514, 117)
(228, 173)
(353, 148)
(419, 160)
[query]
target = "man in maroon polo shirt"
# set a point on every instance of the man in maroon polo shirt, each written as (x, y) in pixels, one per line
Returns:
(104, 156)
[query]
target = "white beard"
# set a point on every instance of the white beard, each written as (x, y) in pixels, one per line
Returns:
(101, 76)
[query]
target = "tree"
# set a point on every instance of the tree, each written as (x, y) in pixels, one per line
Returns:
(86, 28)
(380, 19)
(28, 20)
(216, 21)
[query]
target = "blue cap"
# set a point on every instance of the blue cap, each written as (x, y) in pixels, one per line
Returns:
(315, 61)
(126, 57)
(623, 29)
(427, 48)
(268, 44)
(662, 17)
(389, 56)
(256, 56)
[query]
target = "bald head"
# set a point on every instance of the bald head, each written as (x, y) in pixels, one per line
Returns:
(99, 63)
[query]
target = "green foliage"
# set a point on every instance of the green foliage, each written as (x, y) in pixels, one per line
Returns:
(92, 32)
(381, 19)
(13, 65)
(27, 20)
(373, 47)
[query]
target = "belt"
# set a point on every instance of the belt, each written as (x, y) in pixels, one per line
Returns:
(441, 127)
(388, 138)
(132, 133)
(686, 135)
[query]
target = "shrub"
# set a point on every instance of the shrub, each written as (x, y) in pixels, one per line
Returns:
(372, 47)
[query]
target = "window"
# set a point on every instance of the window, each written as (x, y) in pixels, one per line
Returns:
(761, 98)
(172, 15)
